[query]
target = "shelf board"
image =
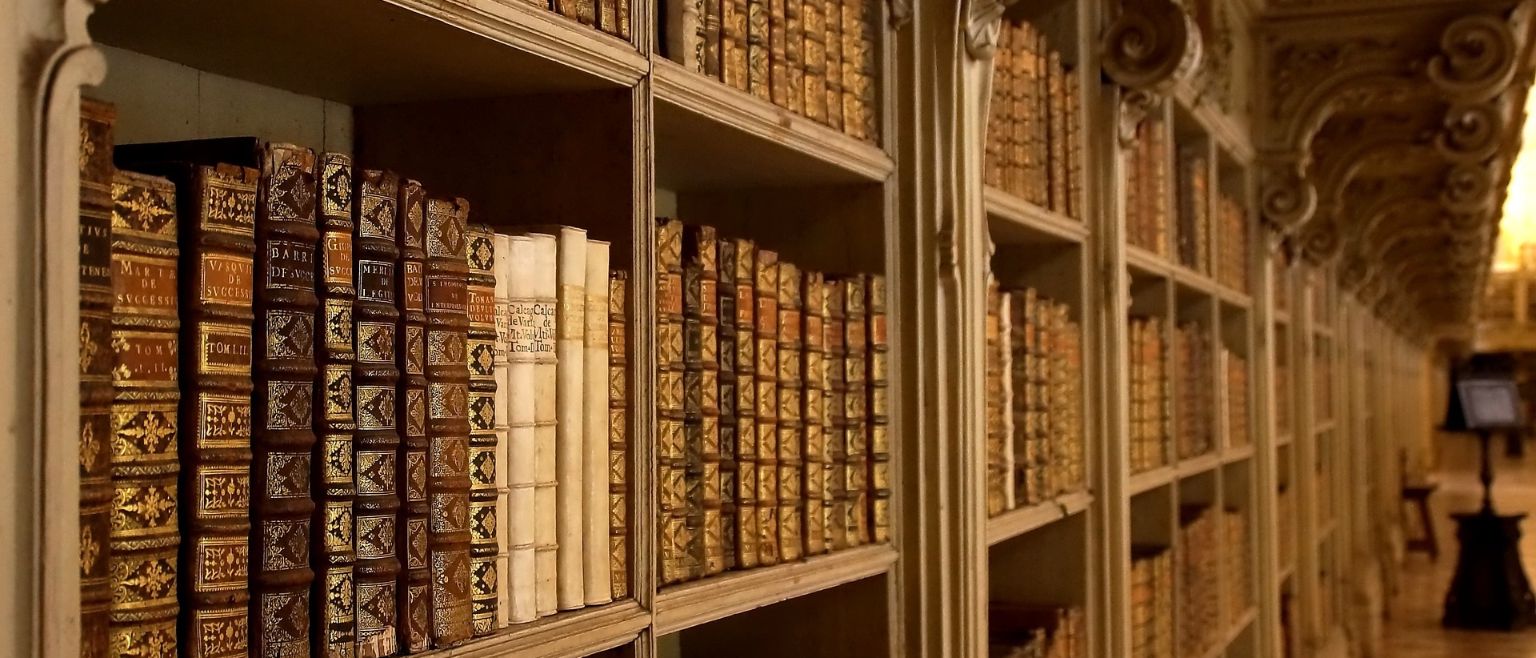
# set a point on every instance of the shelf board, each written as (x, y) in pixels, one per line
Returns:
(710, 135)
(1024, 520)
(1148, 480)
(1237, 454)
(1144, 262)
(568, 634)
(1013, 220)
(1193, 280)
(1282, 317)
(1219, 648)
(1234, 298)
(1283, 439)
(1322, 426)
(365, 52)
(1188, 468)
(1323, 332)
(691, 604)
(1285, 573)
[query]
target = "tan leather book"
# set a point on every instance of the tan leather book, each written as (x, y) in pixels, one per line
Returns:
(834, 335)
(759, 67)
(597, 585)
(145, 401)
(480, 254)
(532, 475)
(832, 14)
(672, 530)
(519, 338)
(618, 433)
(813, 414)
(778, 56)
(96, 361)
(814, 83)
(448, 535)
(685, 33)
(852, 30)
(739, 259)
(856, 406)
(1020, 169)
(1056, 92)
(733, 43)
(866, 86)
(996, 403)
(713, 58)
(727, 397)
(693, 430)
(765, 274)
(879, 410)
(791, 427)
(794, 55)
(584, 11)
(1077, 201)
(624, 12)
(999, 110)
(501, 272)
(702, 390)
(413, 608)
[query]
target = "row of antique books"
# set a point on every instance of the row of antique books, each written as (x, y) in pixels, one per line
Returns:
(1151, 398)
(1147, 189)
(1016, 630)
(816, 58)
(1193, 192)
(1195, 218)
(772, 401)
(1237, 560)
(1034, 123)
(1034, 369)
(323, 413)
(1152, 611)
(609, 16)
(1213, 575)
(1194, 391)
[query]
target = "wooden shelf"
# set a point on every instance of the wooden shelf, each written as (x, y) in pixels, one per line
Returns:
(1024, 520)
(1229, 636)
(1285, 573)
(1148, 480)
(1193, 280)
(568, 634)
(1322, 426)
(1144, 262)
(1188, 468)
(711, 135)
(691, 604)
(1234, 298)
(1016, 221)
(1283, 440)
(1282, 317)
(366, 52)
(1237, 454)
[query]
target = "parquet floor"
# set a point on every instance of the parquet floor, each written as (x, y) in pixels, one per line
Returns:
(1413, 630)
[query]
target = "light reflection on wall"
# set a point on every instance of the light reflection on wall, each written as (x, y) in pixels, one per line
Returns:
(1517, 228)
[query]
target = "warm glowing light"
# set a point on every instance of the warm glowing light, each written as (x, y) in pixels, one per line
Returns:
(1517, 228)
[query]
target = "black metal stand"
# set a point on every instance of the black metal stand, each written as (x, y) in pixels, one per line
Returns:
(1490, 590)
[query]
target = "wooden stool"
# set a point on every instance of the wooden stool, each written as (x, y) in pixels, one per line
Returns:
(1417, 495)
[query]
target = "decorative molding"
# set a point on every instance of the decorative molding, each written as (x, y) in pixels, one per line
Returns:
(1150, 46)
(982, 23)
(898, 13)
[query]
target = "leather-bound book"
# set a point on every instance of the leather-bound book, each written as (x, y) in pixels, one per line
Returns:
(814, 54)
(794, 55)
(1076, 201)
(413, 607)
(709, 10)
(814, 413)
(145, 398)
(623, 11)
(333, 620)
(618, 433)
(791, 429)
(1056, 90)
(570, 327)
(725, 392)
(448, 537)
(855, 406)
(530, 351)
(1020, 170)
(693, 431)
(597, 583)
(765, 274)
(501, 271)
(854, 46)
(672, 529)
(1005, 397)
(778, 56)
(997, 404)
(867, 85)
(584, 11)
(835, 507)
(878, 409)
(739, 259)
(96, 361)
(702, 390)
(998, 110)
(376, 445)
(832, 13)
(759, 80)
(483, 520)
(684, 33)
(733, 43)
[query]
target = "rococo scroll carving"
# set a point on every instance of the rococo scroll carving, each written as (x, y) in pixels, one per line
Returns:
(1477, 58)
(1286, 197)
(1151, 45)
(1471, 132)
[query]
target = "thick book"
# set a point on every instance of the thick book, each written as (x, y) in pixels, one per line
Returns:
(832, 13)
(759, 78)
(878, 410)
(855, 406)
(528, 270)
(996, 403)
(583, 11)
(96, 361)
(618, 433)
(597, 583)
(333, 619)
(814, 55)
(860, 68)
(1006, 366)
(791, 428)
(1056, 91)
(684, 33)
(501, 271)
(710, 11)
(413, 607)
(145, 400)
(702, 394)
(778, 57)
(794, 55)
(999, 115)
(672, 513)
(738, 260)
(813, 413)
(733, 43)
(725, 392)
(376, 444)
(448, 535)
(570, 327)
(1076, 201)
(765, 275)
(1023, 169)
(483, 466)
(834, 336)
(693, 430)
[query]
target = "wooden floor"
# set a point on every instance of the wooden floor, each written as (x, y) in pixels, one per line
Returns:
(1413, 630)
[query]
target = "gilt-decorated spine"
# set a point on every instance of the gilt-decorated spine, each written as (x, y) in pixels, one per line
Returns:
(740, 259)
(878, 410)
(794, 55)
(448, 536)
(702, 391)
(813, 23)
(283, 436)
(670, 450)
(529, 272)
(570, 327)
(835, 507)
(725, 392)
(693, 431)
(1056, 91)
(413, 607)
(791, 429)
(733, 43)
(814, 413)
(709, 10)
(96, 361)
(759, 80)
(832, 13)
(685, 33)
(765, 274)
(501, 270)
(778, 57)
(997, 404)
(333, 624)
(597, 585)
(376, 445)
(145, 400)
(483, 465)
(618, 433)
(855, 407)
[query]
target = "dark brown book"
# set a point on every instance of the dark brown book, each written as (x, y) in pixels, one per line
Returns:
(144, 534)
(333, 620)
(670, 443)
(96, 122)
(623, 11)
(693, 430)
(834, 335)
(855, 406)
(765, 274)
(713, 58)
(376, 445)
(759, 66)
(740, 259)
(618, 432)
(414, 605)
(701, 383)
(832, 13)
(999, 106)
(725, 308)
(481, 256)
(791, 430)
(878, 383)
(608, 16)
(448, 535)
(814, 413)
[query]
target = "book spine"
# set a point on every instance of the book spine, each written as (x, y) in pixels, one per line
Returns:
(670, 448)
(878, 381)
(791, 428)
(1021, 171)
(693, 430)
(96, 361)
(759, 67)
(1056, 92)
(607, 16)
(814, 414)
(1041, 100)
(618, 433)
(814, 53)
(145, 399)
(999, 115)
(414, 603)
(726, 396)
(995, 400)
(866, 85)
(333, 624)
(1021, 344)
(794, 55)
(624, 25)
(584, 11)
(701, 383)
(570, 327)
(515, 329)
(712, 59)
(483, 465)
(832, 13)
(1076, 199)
(742, 257)
(376, 445)
(856, 402)
(685, 33)
(733, 43)
(778, 56)
(597, 576)
(765, 274)
(501, 273)
(1005, 402)
(536, 309)
(283, 439)
(835, 336)
(852, 30)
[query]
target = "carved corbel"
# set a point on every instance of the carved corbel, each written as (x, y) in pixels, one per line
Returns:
(1471, 132)
(983, 22)
(899, 13)
(1469, 188)
(1320, 241)
(1149, 47)
(1476, 60)
(1286, 198)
